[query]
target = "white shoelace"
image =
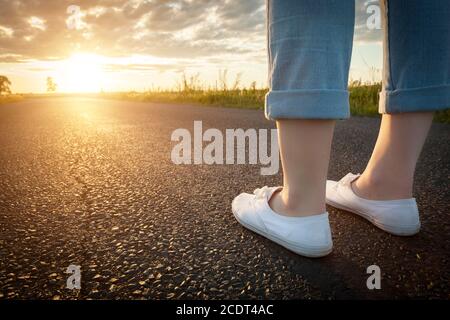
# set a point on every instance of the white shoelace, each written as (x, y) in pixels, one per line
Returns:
(347, 179)
(262, 193)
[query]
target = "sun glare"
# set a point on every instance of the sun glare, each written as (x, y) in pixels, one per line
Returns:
(82, 72)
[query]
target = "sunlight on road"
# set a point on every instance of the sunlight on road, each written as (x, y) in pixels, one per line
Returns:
(87, 116)
(92, 114)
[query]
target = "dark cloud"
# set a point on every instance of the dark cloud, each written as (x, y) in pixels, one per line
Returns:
(119, 28)
(167, 28)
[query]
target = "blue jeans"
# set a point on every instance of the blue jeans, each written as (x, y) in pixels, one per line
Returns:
(310, 46)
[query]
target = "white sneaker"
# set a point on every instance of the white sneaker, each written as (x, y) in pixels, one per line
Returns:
(399, 217)
(308, 236)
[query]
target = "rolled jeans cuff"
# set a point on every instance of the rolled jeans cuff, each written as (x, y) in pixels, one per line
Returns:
(415, 100)
(307, 104)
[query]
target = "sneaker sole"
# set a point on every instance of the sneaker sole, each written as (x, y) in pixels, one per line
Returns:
(306, 252)
(395, 230)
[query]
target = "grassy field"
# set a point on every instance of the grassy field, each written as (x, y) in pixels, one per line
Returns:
(363, 98)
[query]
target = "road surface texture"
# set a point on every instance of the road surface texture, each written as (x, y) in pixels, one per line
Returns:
(90, 182)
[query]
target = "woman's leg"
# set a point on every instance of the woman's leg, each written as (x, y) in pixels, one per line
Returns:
(416, 83)
(310, 45)
(389, 174)
(305, 153)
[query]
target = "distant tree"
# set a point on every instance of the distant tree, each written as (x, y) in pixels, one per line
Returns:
(51, 85)
(5, 85)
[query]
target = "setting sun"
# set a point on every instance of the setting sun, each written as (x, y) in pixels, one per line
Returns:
(82, 72)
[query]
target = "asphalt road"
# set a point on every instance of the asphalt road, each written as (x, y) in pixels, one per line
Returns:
(90, 182)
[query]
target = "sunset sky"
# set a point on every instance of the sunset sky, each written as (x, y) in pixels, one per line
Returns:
(119, 45)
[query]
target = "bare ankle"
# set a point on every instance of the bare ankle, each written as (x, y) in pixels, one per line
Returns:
(373, 187)
(294, 205)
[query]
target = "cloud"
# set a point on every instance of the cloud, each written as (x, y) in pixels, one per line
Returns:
(177, 28)
(37, 23)
(194, 29)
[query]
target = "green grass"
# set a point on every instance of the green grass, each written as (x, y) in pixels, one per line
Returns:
(442, 116)
(245, 98)
(363, 98)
